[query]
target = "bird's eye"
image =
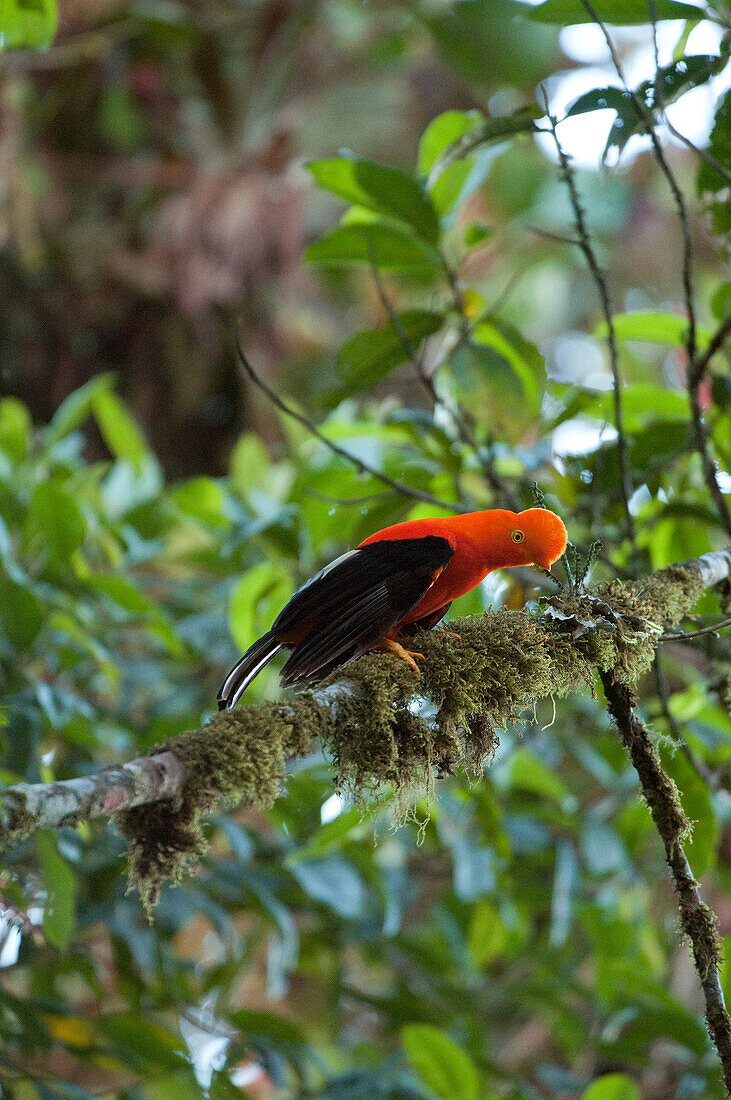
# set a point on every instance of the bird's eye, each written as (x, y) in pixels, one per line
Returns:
(517, 536)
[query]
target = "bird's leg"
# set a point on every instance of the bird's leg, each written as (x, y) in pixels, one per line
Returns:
(388, 645)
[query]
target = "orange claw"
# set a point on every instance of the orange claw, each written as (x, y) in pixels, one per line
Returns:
(387, 645)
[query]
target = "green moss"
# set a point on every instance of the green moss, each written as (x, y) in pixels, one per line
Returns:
(388, 727)
(240, 756)
(17, 822)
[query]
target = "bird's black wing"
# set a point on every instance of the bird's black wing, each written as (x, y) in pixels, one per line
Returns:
(353, 602)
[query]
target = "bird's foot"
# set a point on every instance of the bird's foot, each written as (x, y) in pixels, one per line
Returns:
(387, 645)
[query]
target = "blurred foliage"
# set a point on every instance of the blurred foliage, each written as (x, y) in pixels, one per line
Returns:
(519, 939)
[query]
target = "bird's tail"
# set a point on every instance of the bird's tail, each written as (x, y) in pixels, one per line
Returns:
(250, 665)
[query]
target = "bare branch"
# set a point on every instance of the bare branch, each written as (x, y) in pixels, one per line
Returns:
(363, 467)
(719, 338)
(714, 629)
(103, 794)
(456, 412)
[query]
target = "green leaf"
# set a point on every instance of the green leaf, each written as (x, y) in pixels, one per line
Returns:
(27, 24)
(709, 179)
(476, 233)
(249, 463)
(61, 885)
(14, 428)
(629, 119)
(21, 613)
(74, 410)
(522, 121)
(367, 357)
(54, 524)
(204, 499)
(524, 358)
(437, 160)
(441, 134)
(126, 595)
(487, 936)
(384, 190)
(528, 773)
(461, 166)
(386, 246)
(686, 73)
(334, 882)
(330, 836)
(256, 600)
(119, 431)
(613, 1086)
(653, 327)
(603, 99)
(440, 1063)
(619, 12)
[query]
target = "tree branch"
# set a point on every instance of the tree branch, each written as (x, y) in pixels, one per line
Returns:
(363, 467)
(456, 412)
(102, 794)
(700, 431)
(162, 776)
(584, 243)
(697, 919)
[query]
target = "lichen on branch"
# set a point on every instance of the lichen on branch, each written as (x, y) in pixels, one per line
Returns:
(382, 726)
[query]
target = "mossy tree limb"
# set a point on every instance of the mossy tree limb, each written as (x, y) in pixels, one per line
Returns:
(698, 920)
(380, 724)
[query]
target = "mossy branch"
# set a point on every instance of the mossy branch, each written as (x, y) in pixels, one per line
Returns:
(503, 663)
(383, 726)
(698, 920)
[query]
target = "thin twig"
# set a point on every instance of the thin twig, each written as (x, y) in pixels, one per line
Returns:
(16, 918)
(695, 633)
(700, 431)
(704, 155)
(694, 373)
(559, 238)
(697, 765)
(716, 342)
(456, 412)
(698, 920)
(363, 467)
(584, 243)
(646, 116)
(412, 353)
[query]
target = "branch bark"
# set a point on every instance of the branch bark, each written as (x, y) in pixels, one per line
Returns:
(697, 919)
(161, 776)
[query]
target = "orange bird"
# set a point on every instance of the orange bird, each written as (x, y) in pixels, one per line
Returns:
(399, 580)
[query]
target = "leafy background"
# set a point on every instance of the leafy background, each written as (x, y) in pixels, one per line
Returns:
(168, 169)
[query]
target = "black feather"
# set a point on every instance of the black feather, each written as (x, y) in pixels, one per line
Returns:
(357, 601)
(245, 670)
(343, 611)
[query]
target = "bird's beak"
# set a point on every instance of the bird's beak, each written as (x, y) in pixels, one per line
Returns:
(544, 564)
